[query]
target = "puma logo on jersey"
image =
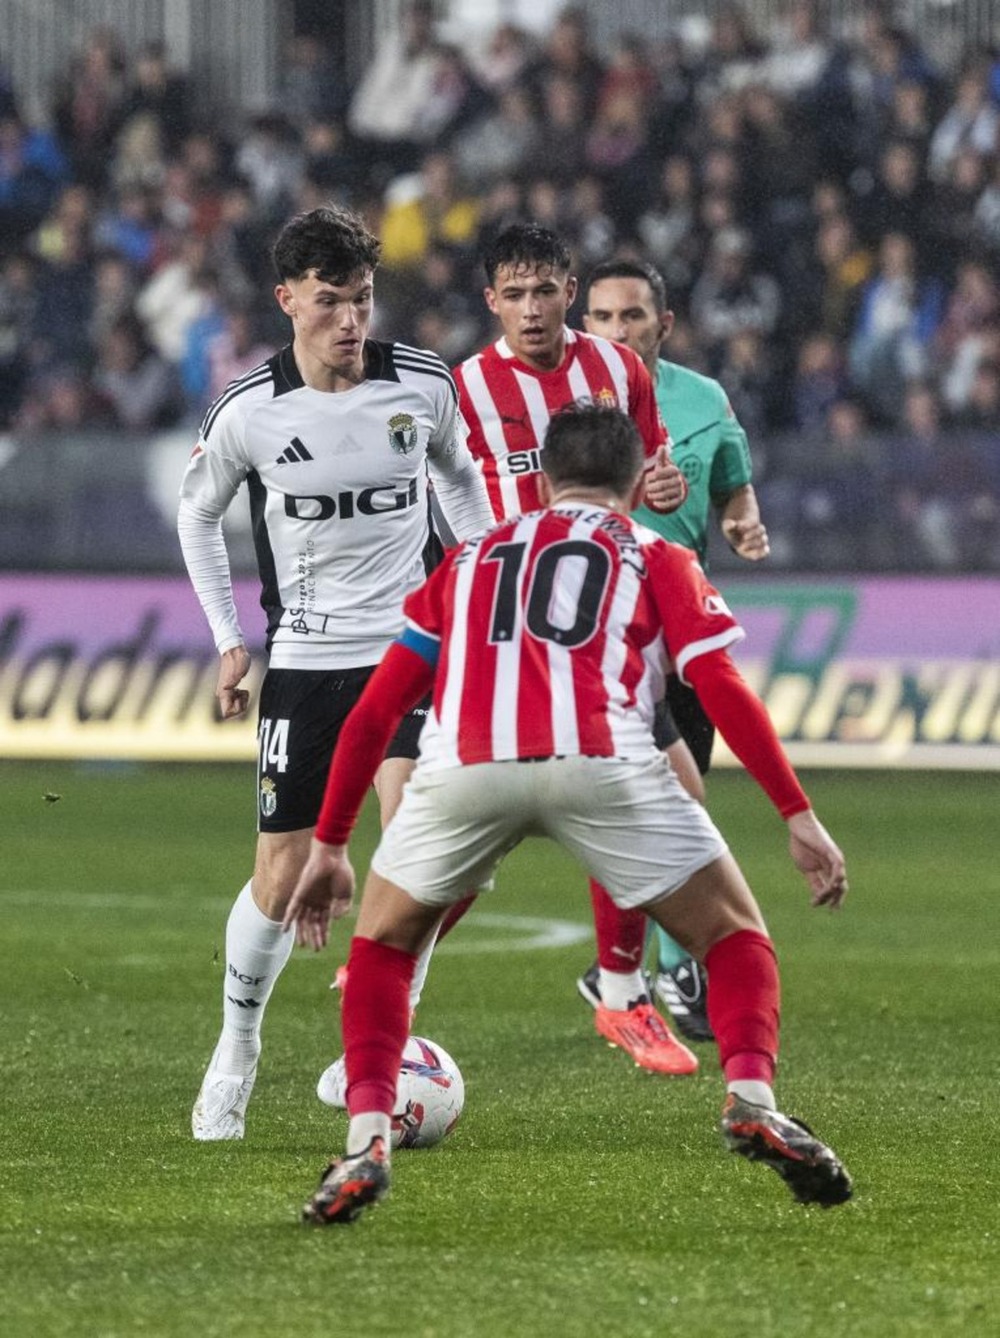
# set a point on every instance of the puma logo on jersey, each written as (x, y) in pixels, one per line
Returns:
(293, 453)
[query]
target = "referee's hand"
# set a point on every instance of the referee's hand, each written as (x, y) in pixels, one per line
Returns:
(233, 700)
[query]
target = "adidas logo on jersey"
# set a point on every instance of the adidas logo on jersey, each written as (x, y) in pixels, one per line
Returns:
(293, 453)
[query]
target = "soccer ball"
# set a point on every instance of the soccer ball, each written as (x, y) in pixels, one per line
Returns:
(430, 1093)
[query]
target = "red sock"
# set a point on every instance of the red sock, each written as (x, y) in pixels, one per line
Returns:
(620, 934)
(454, 914)
(375, 1018)
(744, 1004)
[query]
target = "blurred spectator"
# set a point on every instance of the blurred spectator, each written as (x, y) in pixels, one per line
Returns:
(60, 398)
(235, 350)
(130, 226)
(500, 142)
(943, 502)
(667, 228)
(69, 223)
(820, 380)
(454, 101)
(897, 319)
(971, 122)
(65, 304)
(950, 217)
(799, 53)
(734, 53)
(425, 209)
(981, 410)
(616, 150)
(179, 292)
(560, 150)
(568, 56)
(139, 386)
(986, 218)
(589, 227)
(843, 266)
(396, 87)
(115, 289)
(500, 63)
(629, 71)
(969, 332)
(731, 296)
(840, 518)
(898, 196)
(88, 105)
(747, 372)
(310, 87)
(270, 159)
(32, 170)
(160, 94)
(18, 301)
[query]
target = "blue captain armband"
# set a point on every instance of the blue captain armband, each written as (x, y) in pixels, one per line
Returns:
(427, 647)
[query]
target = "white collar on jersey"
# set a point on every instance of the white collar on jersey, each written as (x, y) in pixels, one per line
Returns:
(505, 351)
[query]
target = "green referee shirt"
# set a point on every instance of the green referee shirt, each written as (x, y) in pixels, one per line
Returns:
(707, 444)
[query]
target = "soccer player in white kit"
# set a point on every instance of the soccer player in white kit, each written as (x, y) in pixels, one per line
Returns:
(547, 641)
(334, 438)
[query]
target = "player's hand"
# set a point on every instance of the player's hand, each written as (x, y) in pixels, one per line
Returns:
(233, 700)
(666, 486)
(747, 538)
(323, 893)
(818, 857)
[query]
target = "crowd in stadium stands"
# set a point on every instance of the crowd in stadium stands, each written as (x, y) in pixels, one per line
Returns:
(825, 210)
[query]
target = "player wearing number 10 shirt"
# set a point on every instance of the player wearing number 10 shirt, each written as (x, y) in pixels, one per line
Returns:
(545, 643)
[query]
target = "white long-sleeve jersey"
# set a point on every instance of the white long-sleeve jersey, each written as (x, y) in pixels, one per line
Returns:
(338, 485)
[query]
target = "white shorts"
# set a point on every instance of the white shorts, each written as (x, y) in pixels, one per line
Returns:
(631, 824)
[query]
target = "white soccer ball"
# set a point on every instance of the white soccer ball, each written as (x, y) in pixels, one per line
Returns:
(430, 1093)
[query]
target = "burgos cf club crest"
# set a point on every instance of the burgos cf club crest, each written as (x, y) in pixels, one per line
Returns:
(268, 797)
(402, 433)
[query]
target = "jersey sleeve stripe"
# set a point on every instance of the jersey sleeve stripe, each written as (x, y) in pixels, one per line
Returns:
(405, 360)
(259, 377)
(695, 648)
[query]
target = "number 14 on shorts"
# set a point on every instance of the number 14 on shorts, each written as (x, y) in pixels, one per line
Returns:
(273, 738)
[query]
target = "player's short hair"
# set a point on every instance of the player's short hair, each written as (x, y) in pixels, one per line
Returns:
(333, 241)
(593, 445)
(528, 246)
(629, 269)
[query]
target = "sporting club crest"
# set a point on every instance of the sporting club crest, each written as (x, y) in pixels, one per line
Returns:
(402, 433)
(268, 797)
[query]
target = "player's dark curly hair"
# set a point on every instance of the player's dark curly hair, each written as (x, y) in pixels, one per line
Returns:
(332, 241)
(593, 445)
(629, 269)
(525, 245)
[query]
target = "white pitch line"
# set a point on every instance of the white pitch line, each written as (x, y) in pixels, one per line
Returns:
(511, 933)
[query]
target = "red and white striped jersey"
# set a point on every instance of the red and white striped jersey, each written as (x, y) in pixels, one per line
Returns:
(554, 633)
(507, 406)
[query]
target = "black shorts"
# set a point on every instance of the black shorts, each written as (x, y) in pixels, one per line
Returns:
(301, 714)
(690, 722)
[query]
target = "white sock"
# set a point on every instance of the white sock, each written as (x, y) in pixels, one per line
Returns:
(256, 952)
(757, 1093)
(622, 989)
(366, 1126)
(420, 973)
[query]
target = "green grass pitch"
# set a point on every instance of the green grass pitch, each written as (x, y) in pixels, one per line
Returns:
(579, 1195)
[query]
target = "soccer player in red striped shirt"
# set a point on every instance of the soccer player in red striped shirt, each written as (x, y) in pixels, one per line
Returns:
(507, 394)
(546, 642)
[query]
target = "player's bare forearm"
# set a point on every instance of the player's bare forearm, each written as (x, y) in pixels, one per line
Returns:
(742, 526)
(324, 892)
(234, 665)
